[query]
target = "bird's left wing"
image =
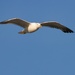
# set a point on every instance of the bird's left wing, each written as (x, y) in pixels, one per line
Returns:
(16, 21)
(58, 26)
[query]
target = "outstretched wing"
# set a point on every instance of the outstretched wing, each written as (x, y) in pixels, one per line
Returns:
(58, 26)
(16, 21)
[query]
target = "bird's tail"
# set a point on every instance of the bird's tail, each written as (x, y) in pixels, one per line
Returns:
(22, 32)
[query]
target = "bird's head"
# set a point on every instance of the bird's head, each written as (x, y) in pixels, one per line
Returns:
(38, 25)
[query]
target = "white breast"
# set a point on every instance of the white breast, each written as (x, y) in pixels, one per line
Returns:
(33, 27)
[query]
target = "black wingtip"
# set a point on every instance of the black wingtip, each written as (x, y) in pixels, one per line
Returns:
(3, 22)
(68, 31)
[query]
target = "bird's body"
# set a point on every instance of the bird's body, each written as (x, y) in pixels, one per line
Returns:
(32, 27)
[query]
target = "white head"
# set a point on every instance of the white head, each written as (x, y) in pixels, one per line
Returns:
(38, 25)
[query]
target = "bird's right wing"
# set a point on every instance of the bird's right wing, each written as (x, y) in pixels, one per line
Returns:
(16, 21)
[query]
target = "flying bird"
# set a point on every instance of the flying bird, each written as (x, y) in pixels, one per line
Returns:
(32, 27)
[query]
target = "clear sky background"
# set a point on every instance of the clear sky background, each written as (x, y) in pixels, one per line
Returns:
(45, 52)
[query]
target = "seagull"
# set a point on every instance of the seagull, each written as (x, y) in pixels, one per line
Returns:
(30, 27)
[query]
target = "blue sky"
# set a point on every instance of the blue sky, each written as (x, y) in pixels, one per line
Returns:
(44, 52)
